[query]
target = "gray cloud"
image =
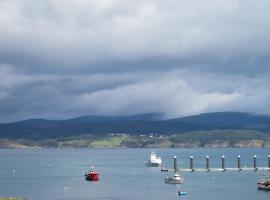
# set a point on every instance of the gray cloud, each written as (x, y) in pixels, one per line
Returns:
(174, 93)
(64, 58)
(95, 36)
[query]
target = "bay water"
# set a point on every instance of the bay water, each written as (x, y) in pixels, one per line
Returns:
(57, 174)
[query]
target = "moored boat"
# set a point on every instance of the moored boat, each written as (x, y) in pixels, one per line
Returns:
(180, 193)
(92, 175)
(264, 183)
(175, 179)
(164, 169)
(153, 161)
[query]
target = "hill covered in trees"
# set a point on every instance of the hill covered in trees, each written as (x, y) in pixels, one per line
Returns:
(140, 130)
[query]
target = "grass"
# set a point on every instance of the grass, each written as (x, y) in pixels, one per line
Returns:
(108, 142)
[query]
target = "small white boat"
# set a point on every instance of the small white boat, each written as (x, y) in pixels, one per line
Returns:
(264, 183)
(153, 161)
(175, 179)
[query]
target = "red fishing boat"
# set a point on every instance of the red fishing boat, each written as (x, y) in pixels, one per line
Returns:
(92, 175)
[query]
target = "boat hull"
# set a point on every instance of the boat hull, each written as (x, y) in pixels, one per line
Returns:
(170, 180)
(173, 181)
(182, 193)
(91, 176)
(152, 164)
(263, 185)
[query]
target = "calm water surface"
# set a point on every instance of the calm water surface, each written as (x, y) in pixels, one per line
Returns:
(57, 174)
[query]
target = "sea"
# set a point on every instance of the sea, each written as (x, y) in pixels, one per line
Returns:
(58, 174)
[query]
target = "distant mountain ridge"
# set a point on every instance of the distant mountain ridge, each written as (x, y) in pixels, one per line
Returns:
(135, 124)
(231, 120)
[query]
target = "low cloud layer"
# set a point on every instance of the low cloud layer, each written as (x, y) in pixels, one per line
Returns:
(61, 59)
(174, 93)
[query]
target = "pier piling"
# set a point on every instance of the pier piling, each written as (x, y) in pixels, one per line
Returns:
(255, 162)
(223, 163)
(268, 161)
(191, 163)
(239, 162)
(207, 163)
(175, 164)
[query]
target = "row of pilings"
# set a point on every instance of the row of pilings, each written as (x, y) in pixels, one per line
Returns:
(223, 166)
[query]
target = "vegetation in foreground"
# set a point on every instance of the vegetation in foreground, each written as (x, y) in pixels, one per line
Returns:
(213, 138)
(11, 198)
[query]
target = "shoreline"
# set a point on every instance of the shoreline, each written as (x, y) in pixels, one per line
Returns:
(216, 147)
(210, 139)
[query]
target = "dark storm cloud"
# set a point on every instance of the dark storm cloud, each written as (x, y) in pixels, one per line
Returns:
(94, 36)
(66, 58)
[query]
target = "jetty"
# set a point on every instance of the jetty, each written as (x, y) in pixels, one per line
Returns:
(223, 167)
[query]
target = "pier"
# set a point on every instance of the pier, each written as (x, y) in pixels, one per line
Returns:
(223, 167)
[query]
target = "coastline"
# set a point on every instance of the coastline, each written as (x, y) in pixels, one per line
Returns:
(244, 144)
(196, 139)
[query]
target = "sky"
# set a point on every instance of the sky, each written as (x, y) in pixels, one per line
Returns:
(63, 58)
